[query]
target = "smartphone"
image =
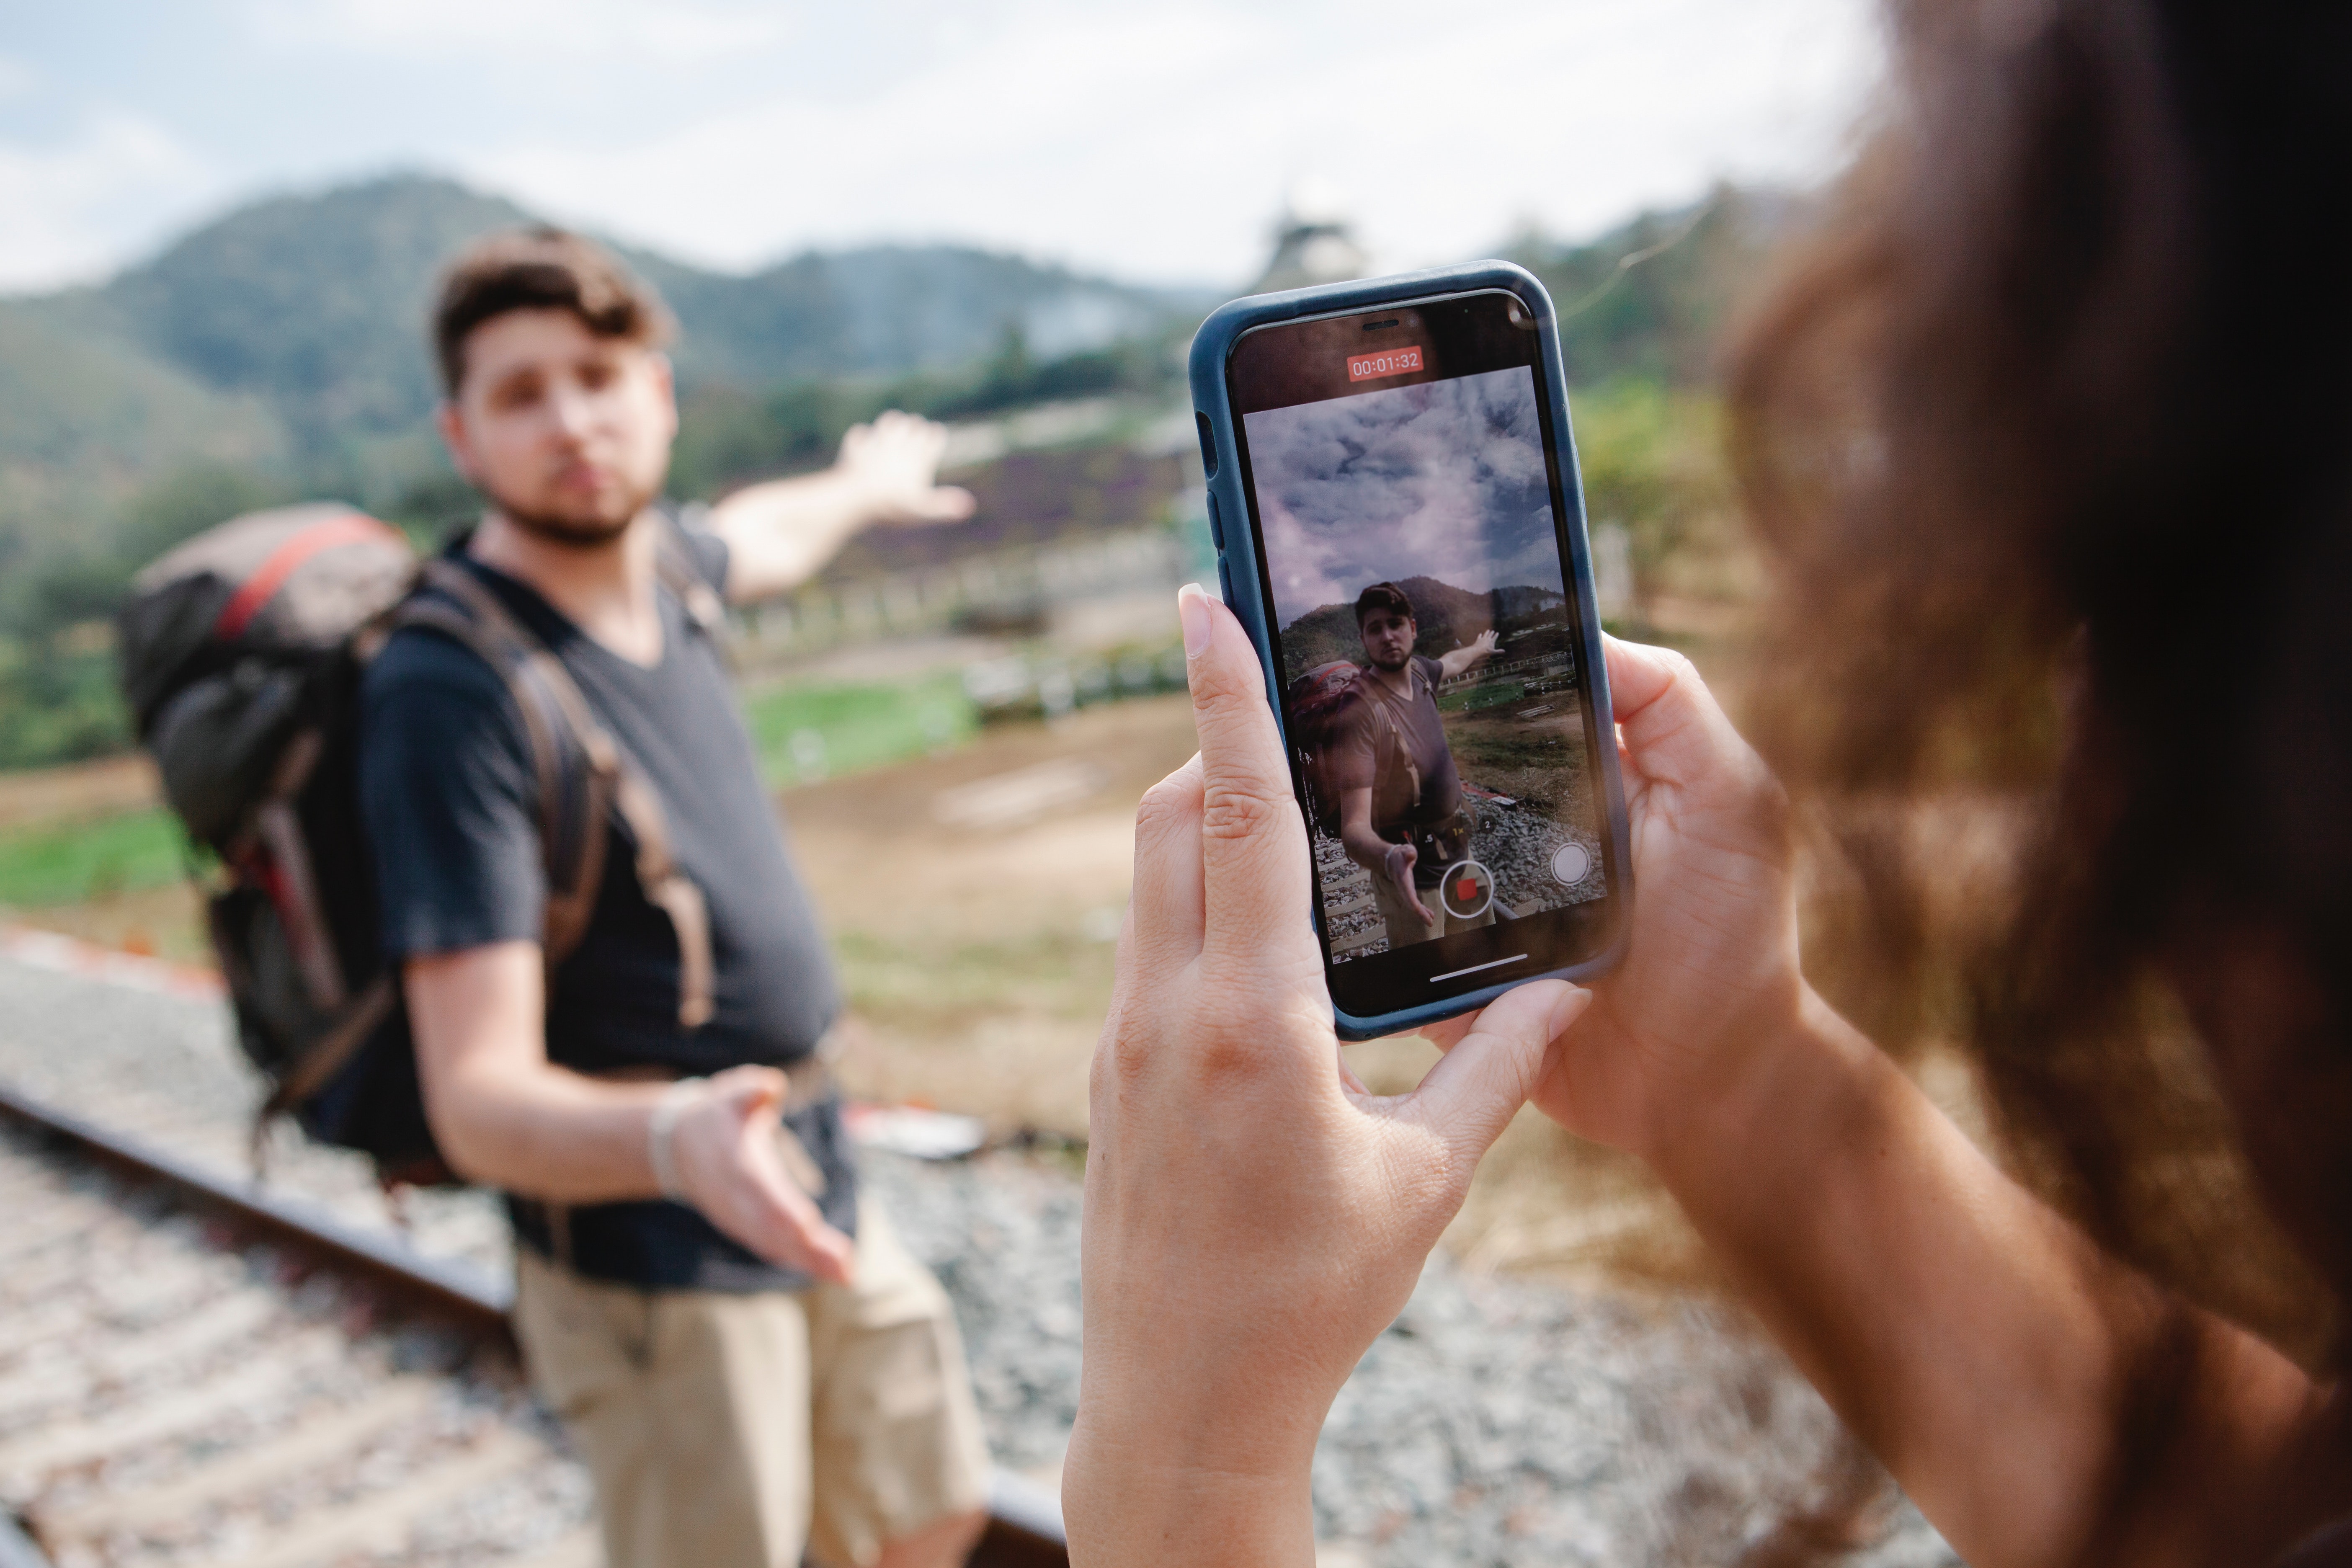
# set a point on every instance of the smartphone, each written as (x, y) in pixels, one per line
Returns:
(1394, 495)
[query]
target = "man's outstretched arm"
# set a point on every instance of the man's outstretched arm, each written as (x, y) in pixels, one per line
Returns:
(507, 1117)
(1469, 656)
(781, 532)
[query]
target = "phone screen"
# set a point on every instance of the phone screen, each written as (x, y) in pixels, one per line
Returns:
(1412, 548)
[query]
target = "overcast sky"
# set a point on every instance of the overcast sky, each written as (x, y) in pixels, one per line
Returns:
(1151, 142)
(1444, 479)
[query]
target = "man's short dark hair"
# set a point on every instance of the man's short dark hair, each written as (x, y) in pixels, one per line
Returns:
(1382, 596)
(542, 269)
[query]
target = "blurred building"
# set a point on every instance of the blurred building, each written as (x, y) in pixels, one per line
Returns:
(1313, 241)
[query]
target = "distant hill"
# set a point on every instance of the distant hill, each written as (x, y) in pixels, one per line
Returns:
(287, 338)
(290, 335)
(1444, 615)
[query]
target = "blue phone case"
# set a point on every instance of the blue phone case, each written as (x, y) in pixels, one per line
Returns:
(1229, 523)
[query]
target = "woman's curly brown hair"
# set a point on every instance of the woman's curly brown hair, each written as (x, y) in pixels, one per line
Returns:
(2050, 434)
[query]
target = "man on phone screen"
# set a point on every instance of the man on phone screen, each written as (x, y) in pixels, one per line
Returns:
(749, 1361)
(1401, 808)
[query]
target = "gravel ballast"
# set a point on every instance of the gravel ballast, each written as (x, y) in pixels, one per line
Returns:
(1496, 1422)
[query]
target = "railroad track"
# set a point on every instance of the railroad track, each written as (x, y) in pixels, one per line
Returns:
(195, 1371)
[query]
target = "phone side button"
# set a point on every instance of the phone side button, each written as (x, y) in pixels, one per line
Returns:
(1208, 445)
(1216, 522)
(1225, 580)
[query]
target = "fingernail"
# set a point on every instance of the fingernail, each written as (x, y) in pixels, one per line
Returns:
(1192, 610)
(1569, 1009)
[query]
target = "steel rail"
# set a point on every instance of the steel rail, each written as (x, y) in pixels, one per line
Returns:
(1024, 1525)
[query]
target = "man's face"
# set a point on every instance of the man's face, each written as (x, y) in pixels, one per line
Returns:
(566, 433)
(1388, 638)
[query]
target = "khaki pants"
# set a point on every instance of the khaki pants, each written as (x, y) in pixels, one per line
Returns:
(1405, 927)
(726, 1430)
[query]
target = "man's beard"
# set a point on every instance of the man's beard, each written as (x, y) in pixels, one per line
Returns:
(569, 533)
(1383, 661)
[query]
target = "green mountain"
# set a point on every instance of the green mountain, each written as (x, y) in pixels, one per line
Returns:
(1445, 617)
(289, 335)
(278, 352)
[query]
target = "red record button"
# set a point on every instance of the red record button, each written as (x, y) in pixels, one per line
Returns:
(1387, 362)
(1467, 890)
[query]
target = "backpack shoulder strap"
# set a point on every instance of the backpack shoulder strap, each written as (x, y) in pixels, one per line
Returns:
(1389, 735)
(562, 727)
(674, 566)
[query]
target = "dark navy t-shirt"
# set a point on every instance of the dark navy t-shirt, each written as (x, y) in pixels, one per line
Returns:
(1397, 806)
(452, 810)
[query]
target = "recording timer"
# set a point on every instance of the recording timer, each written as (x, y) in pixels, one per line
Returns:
(1387, 362)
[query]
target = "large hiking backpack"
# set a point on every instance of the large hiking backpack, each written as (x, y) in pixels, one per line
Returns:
(241, 655)
(1319, 704)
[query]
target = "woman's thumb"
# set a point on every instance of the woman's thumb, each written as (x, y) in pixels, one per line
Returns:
(1475, 1088)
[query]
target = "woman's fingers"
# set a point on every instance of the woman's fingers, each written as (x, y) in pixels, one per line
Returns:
(1475, 1089)
(1254, 862)
(1447, 1033)
(1168, 905)
(1672, 725)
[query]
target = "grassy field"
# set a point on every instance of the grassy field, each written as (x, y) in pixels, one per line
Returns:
(804, 732)
(59, 849)
(1543, 762)
(80, 862)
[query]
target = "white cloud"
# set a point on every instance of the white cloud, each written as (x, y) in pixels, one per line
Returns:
(1149, 142)
(76, 207)
(625, 31)
(1157, 143)
(1029, 141)
(1443, 479)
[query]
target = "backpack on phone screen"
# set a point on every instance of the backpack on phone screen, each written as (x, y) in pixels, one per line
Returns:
(1320, 705)
(241, 655)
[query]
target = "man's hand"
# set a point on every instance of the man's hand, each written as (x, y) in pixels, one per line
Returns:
(723, 1148)
(1375, 854)
(1402, 859)
(1470, 656)
(1253, 1219)
(893, 465)
(507, 1117)
(781, 533)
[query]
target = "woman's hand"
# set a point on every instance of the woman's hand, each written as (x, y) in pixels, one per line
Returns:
(1710, 979)
(1253, 1218)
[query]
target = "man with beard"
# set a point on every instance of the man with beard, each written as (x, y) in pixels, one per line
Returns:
(749, 1362)
(1401, 813)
